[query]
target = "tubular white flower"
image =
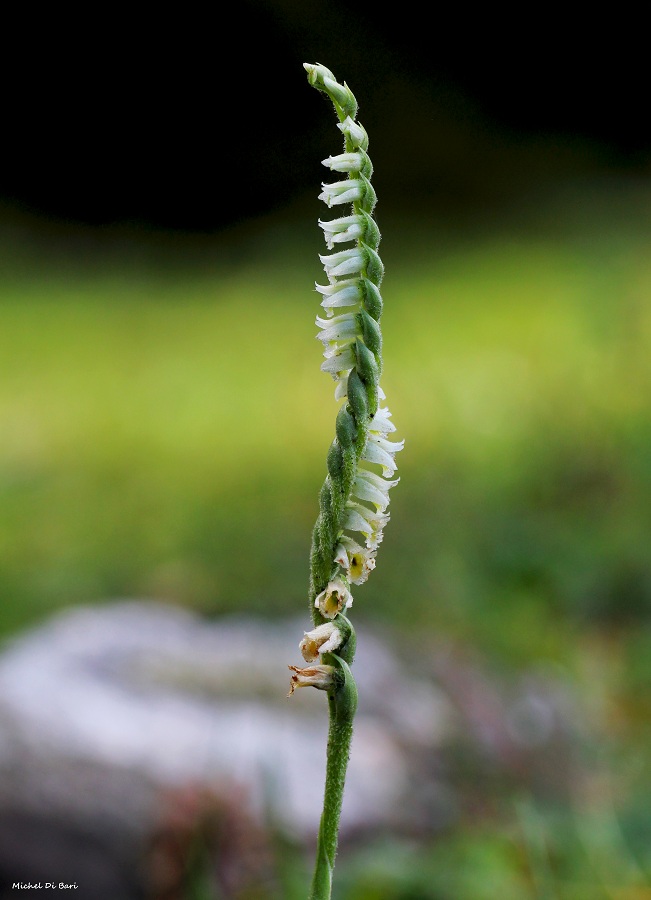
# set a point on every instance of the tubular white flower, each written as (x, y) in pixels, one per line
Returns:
(342, 361)
(338, 231)
(345, 285)
(341, 192)
(382, 453)
(355, 132)
(341, 293)
(345, 262)
(342, 329)
(344, 162)
(334, 599)
(324, 638)
(380, 423)
(370, 524)
(369, 486)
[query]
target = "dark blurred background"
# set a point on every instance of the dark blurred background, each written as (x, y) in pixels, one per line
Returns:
(183, 121)
(164, 428)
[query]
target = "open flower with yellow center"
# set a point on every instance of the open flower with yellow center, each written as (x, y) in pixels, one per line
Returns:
(334, 599)
(358, 562)
(324, 638)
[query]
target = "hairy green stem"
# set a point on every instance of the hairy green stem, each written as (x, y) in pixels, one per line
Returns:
(342, 703)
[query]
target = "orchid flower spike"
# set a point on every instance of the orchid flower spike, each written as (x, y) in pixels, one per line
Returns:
(354, 499)
(361, 462)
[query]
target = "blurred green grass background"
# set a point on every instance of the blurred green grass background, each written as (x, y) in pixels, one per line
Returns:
(165, 429)
(165, 426)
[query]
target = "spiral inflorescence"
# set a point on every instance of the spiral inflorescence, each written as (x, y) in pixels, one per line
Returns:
(361, 460)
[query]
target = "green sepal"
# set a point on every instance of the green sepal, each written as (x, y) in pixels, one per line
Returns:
(369, 371)
(346, 650)
(328, 526)
(369, 197)
(371, 235)
(343, 99)
(350, 465)
(357, 397)
(345, 689)
(370, 332)
(372, 299)
(374, 266)
(335, 461)
(366, 363)
(366, 168)
(319, 568)
(349, 106)
(346, 429)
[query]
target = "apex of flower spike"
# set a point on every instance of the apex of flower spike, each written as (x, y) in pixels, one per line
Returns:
(322, 78)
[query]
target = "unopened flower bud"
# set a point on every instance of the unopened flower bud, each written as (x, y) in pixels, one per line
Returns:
(355, 132)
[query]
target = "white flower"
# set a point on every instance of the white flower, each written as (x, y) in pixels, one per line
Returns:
(320, 677)
(333, 599)
(343, 329)
(345, 262)
(324, 638)
(380, 422)
(340, 361)
(338, 231)
(341, 192)
(341, 293)
(344, 162)
(360, 562)
(382, 453)
(355, 132)
(369, 486)
(370, 524)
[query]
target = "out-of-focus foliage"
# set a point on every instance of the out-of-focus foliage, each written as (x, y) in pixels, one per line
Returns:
(164, 432)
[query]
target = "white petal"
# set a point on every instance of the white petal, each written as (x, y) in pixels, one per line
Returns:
(373, 453)
(380, 422)
(355, 522)
(341, 557)
(340, 362)
(328, 290)
(341, 391)
(380, 483)
(365, 491)
(389, 446)
(343, 332)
